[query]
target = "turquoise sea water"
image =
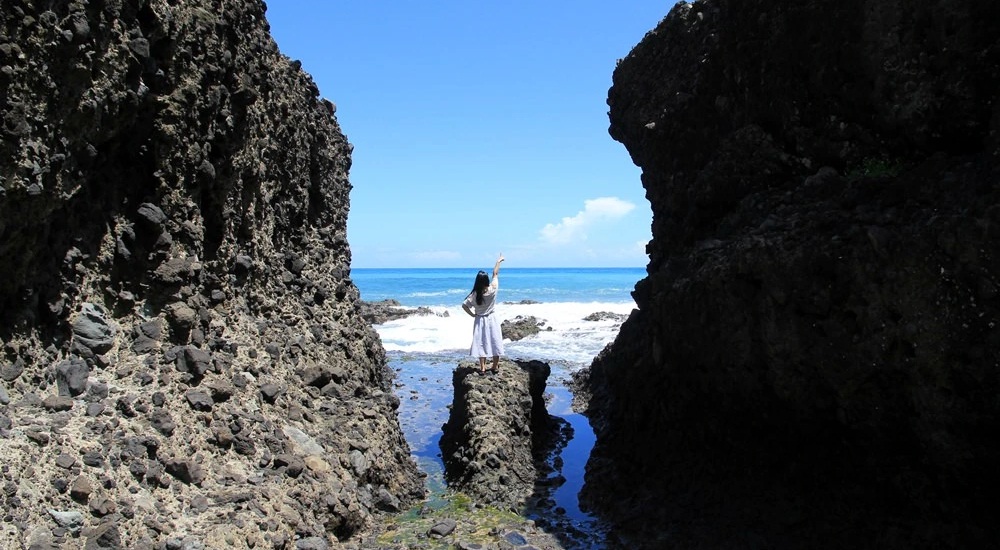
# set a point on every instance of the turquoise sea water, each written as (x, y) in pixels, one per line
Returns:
(445, 287)
(560, 298)
(424, 350)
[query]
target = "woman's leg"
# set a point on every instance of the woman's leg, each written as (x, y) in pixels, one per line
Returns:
(496, 363)
(482, 364)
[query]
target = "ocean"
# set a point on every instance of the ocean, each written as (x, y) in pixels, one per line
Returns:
(559, 297)
(423, 350)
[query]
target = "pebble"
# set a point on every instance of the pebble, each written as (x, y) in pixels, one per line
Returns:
(443, 528)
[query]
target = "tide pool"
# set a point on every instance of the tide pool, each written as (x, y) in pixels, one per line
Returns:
(423, 350)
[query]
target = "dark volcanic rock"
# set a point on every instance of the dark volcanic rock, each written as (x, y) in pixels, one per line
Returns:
(606, 316)
(813, 361)
(173, 204)
(384, 311)
(91, 329)
(71, 376)
(521, 327)
(498, 432)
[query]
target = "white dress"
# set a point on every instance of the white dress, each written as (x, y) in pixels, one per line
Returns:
(487, 341)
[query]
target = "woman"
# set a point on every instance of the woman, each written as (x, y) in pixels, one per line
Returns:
(486, 337)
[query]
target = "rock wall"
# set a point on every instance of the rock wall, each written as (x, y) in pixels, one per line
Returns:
(181, 350)
(814, 358)
(498, 433)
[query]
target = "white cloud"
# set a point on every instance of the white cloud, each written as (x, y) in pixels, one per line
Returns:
(594, 211)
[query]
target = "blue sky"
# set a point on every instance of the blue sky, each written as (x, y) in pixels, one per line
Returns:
(478, 127)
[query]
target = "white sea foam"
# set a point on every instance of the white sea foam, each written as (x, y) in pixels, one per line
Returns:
(571, 339)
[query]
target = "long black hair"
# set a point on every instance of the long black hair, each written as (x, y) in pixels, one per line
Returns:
(482, 281)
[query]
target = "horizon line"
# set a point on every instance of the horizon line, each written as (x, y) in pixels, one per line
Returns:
(510, 267)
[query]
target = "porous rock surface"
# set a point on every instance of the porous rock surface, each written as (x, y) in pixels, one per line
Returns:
(498, 433)
(182, 358)
(815, 357)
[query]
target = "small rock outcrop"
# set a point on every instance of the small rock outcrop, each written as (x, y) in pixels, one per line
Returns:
(384, 311)
(606, 316)
(813, 361)
(498, 433)
(182, 361)
(521, 327)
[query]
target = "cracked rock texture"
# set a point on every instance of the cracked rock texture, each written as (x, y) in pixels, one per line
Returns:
(182, 357)
(815, 356)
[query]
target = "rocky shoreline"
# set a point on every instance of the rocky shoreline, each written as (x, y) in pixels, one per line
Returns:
(504, 468)
(186, 363)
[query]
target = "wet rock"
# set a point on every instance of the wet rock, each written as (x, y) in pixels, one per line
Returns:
(521, 327)
(442, 528)
(387, 310)
(497, 427)
(606, 316)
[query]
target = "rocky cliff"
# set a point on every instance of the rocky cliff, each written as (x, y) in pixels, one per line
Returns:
(814, 359)
(182, 355)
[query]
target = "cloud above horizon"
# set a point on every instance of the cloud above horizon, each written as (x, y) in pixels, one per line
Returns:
(571, 229)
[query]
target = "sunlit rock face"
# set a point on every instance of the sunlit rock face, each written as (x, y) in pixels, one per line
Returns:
(182, 357)
(814, 359)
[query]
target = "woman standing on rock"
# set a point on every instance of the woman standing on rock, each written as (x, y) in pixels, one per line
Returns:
(487, 339)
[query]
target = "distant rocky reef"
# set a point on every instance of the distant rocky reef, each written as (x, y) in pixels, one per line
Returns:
(815, 358)
(183, 361)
